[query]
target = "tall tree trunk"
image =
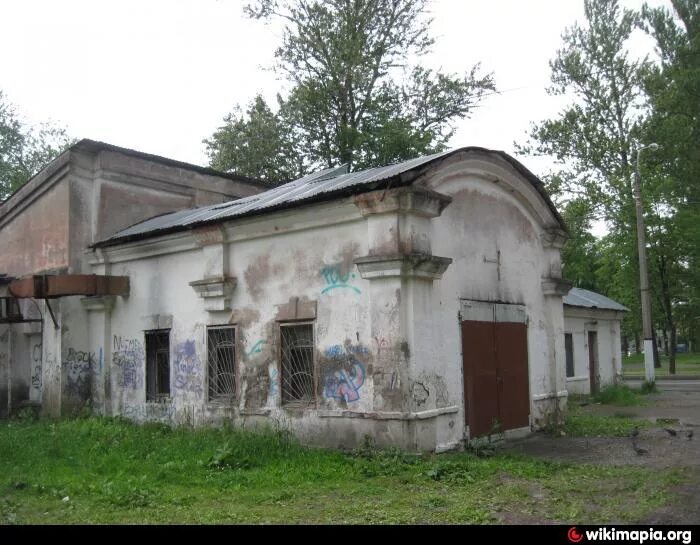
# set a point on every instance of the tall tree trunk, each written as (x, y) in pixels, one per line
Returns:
(668, 311)
(665, 342)
(672, 357)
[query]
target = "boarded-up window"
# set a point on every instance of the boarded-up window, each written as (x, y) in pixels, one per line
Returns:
(157, 364)
(221, 355)
(569, 347)
(297, 355)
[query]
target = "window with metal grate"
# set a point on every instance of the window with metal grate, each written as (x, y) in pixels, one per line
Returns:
(157, 364)
(298, 383)
(221, 356)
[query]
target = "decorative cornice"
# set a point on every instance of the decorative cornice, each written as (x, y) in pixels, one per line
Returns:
(410, 265)
(555, 286)
(405, 200)
(553, 237)
(215, 291)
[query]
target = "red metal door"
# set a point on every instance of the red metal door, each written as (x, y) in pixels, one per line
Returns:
(513, 380)
(480, 378)
(496, 378)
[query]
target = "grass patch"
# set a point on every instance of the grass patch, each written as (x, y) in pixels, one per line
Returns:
(687, 363)
(620, 395)
(108, 471)
(581, 423)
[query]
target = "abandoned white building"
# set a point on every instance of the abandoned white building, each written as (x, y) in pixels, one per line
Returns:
(592, 341)
(419, 303)
(86, 194)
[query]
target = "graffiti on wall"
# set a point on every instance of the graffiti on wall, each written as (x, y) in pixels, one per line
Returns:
(344, 380)
(382, 345)
(188, 368)
(129, 356)
(274, 383)
(336, 278)
(79, 366)
(256, 348)
(36, 366)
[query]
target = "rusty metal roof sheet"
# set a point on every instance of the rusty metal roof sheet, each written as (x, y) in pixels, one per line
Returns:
(578, 297)
(322, 185)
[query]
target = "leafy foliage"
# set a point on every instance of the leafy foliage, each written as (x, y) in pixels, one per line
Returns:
(619, 103)
(25, 150)
(354, 98)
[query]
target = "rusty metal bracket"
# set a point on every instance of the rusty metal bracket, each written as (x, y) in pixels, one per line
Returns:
(62, 285)
(53, 317)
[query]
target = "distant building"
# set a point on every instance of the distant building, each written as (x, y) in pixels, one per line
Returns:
(592, 341)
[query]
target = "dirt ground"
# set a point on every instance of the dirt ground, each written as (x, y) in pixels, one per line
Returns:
(676, 410)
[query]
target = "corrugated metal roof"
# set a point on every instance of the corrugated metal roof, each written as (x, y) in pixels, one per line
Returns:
(578, 297)
(317, 186)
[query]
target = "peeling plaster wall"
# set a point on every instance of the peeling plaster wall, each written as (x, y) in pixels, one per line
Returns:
(484, 217)
(276, 275)
(37, 239)
(579, 322)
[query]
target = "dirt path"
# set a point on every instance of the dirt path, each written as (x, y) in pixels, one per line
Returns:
(678, 411)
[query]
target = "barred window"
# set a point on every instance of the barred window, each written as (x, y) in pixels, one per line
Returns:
(569, 348)
(157, 364)
(297, 362)
(221, 355)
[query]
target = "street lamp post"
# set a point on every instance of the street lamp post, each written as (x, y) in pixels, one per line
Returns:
(644, 273)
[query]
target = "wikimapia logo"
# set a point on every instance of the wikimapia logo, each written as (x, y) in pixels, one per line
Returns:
(637, 536)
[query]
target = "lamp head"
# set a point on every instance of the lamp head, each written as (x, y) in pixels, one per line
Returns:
(653, 146)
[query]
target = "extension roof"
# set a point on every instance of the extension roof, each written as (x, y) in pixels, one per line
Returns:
(578, 297)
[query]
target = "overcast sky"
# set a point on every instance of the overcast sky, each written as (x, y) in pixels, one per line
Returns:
(159, 75)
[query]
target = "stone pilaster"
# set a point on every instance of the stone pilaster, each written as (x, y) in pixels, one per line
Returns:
(401, 270)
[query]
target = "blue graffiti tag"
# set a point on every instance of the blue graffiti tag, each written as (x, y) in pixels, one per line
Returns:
(256, 349)
(334, 278)
(188, 368)
(345, 385)
(274, 383)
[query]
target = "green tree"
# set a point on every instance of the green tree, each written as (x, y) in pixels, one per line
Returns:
(594, 138)
(256, 143)
(673, 87)
(354, 96)
(580, 253)
(25, 150)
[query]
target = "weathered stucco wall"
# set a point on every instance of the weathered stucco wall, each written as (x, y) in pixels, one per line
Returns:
(36, 239)
(491, 215)
(277, 273)
(606, 324)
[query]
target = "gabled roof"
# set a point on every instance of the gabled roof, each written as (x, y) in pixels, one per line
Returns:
(578, 297)
(319, 186)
